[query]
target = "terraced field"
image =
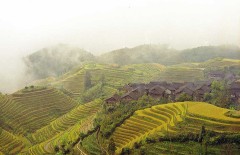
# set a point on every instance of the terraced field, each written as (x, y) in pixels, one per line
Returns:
(64, 122)
(162, 119)
(10, 144)
(115, 76)
(220, 62)
(27, 111)
(181, 74)
(64, 129)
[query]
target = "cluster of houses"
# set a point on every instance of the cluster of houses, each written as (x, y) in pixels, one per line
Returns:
(170, 91)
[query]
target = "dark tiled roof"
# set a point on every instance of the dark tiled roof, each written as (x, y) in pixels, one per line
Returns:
(184, 89)
(114, 97)
(157, 90)
(131, 95)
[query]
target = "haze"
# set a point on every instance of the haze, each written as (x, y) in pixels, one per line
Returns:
(101, 26)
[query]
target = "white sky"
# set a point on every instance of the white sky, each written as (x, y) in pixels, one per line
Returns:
(103, 25)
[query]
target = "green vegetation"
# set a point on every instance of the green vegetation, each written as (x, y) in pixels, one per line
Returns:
(235, 114)
(180, 148)
(219, 95)
(90, 144)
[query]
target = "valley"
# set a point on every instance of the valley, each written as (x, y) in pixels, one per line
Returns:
(127, 107)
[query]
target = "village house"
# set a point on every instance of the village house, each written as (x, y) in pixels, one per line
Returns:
(186, 89)
(112, 100)
(200, 91)
(172, 91)
(177, 85)
(157, 92)
(126, 88)
(130, 96)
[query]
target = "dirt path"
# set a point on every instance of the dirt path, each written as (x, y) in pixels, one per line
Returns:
(101, 147)
(79, 149)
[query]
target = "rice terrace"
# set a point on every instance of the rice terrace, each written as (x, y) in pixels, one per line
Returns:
(146, 77)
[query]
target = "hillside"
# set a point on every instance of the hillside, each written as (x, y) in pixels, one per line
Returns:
(140, 54)
(113, 77)
(38, 119)
(164, 120)
(58, 60)
(66, 113)
(10, 144)
(64, 130)
(167, 56)
(30, 109)
(55, 61)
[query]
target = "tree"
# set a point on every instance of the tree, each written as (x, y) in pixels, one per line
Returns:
(202, 134)
(219, 94)
(87, 80)
(125, 151)
(184, 97)
(81, 136)
(112, 146)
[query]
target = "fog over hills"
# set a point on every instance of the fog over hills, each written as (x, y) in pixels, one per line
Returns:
(110, 25)
(56, 60)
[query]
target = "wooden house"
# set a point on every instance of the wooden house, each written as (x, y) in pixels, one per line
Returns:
(112, 100)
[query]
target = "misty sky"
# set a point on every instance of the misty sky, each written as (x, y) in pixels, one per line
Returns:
(103, 25)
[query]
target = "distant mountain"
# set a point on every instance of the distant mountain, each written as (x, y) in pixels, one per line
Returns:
(140, 54)
(205, 53)
(55, 61)
(167, 56)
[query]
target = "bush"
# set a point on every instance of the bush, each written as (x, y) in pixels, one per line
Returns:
(56, 148)
(184, 97)
(142, 152)
(137, 145)
(125, 151)
(150, 140)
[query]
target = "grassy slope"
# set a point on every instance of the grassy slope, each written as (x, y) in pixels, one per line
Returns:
(161, 119)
